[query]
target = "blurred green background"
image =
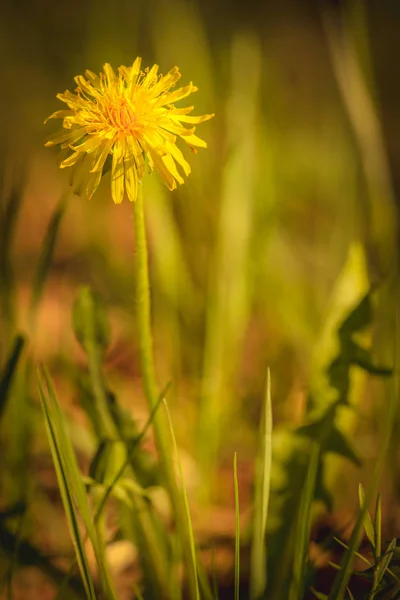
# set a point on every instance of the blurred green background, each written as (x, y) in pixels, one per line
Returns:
(287, 219)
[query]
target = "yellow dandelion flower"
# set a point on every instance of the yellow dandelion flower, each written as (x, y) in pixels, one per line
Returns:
(132, 117)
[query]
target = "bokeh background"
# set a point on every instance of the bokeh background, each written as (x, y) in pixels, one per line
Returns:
(286, 220)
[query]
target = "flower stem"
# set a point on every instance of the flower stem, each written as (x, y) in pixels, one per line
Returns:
(143, 313)
(143, 308)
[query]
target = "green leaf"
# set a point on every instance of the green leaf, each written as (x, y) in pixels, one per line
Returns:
(330, 438)
(358, 319)
(361, 357)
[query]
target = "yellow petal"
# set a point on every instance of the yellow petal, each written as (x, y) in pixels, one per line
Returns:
(171, 166)
(85, 86)
(110, 75)
(180, 159)
(71, 160)
(150, 77)
(63, 155)
(133, 74)
(193, 140)
(131, 174)
(89, 144)
(101, 159)
(81, 175)
(166, 82)
(175, 127)
(180, 111)
(156, 140)
(117, 172)
(63, 135)
(93, 78)
(92, 183)
(191, 119)
(68, 97)
(162, 169)
(59, 114)
(139, 158)
(177, 95)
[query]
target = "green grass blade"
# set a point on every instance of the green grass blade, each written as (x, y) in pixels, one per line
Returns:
(70, 474)
(46, 254)
(360, 556)
(340, 583)
(237, 532)
(303, 529)
(137, 591)
(192, 576)
(67, 497)
(214, 577)
(368, 525)
(350, 594)
(258, 572)
(384, 563)
(226, 322)
(378, 526)
(319, 595)
(9, 370)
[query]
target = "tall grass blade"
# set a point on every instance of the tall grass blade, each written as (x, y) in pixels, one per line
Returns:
(70, 480)
(350, 594)
(228, 304)
(303, 529)
(67, 496)
(12, 183)
(359, 103)
(258, 568)
(214, 577)
(9, 370)
(378, 526)
(46, 254)
(194, 585)
(138, 592)
(368, 525)
(384, 563)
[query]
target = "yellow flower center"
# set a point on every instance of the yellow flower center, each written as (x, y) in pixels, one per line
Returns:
(121, 114)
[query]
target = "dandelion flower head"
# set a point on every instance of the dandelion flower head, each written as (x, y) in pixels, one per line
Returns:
(130, 115)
